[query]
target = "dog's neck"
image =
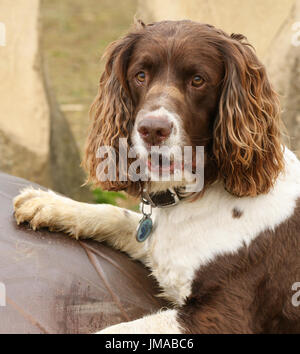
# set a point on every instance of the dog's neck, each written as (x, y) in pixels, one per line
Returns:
(166, 198)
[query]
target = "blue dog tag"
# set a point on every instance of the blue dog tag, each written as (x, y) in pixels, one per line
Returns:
(144, 229)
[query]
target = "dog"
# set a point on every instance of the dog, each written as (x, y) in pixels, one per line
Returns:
(227, 257)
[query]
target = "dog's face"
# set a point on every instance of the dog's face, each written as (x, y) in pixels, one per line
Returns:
(175, 78)
(188, 84)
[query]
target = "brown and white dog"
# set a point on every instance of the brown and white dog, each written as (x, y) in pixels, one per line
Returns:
(229, 258)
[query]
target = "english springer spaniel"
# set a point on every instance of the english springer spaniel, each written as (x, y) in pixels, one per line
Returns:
(228, 256)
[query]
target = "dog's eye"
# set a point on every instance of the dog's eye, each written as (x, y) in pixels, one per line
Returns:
(197, 81)
(141, 76)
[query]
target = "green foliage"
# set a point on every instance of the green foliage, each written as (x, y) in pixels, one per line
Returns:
(105, 197)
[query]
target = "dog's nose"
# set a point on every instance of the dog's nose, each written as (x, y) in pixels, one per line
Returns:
(154, 130)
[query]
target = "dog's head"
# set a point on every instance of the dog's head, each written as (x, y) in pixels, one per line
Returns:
(181, 83)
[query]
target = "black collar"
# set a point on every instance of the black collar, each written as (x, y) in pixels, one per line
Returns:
(164, 199)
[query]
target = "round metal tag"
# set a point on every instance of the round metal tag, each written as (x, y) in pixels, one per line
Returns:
(144, 229)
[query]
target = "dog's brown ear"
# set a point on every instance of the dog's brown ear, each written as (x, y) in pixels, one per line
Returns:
(111, 114)
(247, 141)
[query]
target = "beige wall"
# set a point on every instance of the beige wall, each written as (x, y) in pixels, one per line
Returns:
(259, 20)
(24, 113)
(35, 140)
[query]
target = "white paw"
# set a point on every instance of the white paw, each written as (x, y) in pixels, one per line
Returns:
(38, 208)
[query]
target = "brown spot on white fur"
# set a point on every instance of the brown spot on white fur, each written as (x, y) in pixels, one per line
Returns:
(236, 213)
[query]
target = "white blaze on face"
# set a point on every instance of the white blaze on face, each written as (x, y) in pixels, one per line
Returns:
(175, 138)
(173, 152)
(168, 148)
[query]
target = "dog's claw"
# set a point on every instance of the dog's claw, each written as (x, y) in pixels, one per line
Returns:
(28, 207)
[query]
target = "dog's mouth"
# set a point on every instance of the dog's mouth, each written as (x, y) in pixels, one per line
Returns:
(162, 165)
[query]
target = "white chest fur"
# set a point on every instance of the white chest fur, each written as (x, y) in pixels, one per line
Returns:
(189, 235)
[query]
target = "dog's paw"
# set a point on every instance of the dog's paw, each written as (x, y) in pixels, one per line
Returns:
(38, 208)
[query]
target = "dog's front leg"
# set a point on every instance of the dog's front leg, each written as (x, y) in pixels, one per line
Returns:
(164, 322)
(101, 222)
